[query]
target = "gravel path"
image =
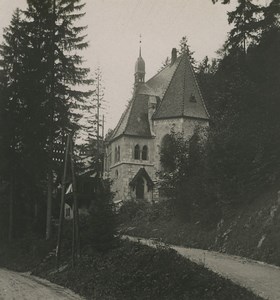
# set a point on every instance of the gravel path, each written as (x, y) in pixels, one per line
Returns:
(14, 286)
(260, 278)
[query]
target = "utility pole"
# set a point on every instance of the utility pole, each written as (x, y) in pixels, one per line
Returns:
(76, 251)
(62, 202)
(52, 95)
(98, 108)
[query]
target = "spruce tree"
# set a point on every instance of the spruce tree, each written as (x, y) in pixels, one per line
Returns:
(246, 25)
(185, 48)
(57, 41)
(12, 110)
(42, 75)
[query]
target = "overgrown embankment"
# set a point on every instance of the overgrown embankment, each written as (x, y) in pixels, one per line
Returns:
(129, 271)
(250, 230)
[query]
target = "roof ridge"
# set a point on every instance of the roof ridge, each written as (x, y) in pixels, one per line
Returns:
(180, 57)
(198, 88)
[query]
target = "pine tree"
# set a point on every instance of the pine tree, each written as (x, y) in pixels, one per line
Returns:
(246, 25)
(185, 48)
(58, 41)
(42, 85)
(271, 16)
(12, 110)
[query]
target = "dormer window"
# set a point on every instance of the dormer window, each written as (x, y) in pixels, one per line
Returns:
(192, 98)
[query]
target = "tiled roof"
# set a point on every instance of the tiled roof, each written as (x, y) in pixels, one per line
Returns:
(120, 128)
(159, 83)
(183, 97)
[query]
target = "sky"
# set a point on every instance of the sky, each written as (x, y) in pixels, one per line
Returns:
(113, 32)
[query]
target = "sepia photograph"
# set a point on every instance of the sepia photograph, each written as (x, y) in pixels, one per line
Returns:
(140, 149)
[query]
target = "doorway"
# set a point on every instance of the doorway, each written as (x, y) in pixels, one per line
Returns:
(140, 188)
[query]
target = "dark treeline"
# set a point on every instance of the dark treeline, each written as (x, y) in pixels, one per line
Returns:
(239, 155)
(40, 75)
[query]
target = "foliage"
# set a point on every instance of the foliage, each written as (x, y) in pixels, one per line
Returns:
(222, 1)
(248, 230)
(26, 253)
(246, 24)
(134, 271)
(131, 209)
(185, 48)
(99, 229)
(238, 159)
(184, 177)
(41, 71)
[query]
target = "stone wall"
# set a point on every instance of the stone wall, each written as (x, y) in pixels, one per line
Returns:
(166, 126)
(124, 170)
(122, 167)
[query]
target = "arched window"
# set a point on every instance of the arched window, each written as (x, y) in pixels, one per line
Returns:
(137, 152)
(116, 154)
(145, 153)
(119, 153)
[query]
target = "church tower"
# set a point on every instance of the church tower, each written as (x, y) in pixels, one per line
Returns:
(139, 69)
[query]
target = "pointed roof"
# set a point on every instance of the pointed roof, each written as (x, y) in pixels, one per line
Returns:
(134, 120)
(183, 97)
(140, 64)
(177, 88)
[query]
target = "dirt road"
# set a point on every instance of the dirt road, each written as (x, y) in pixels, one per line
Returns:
(261, 278)
(22, 286)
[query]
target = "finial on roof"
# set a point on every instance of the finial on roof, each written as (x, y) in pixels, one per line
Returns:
(140, 43)
(139, 66)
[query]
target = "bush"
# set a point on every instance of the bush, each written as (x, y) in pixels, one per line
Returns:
(98, 229)
(132, 209)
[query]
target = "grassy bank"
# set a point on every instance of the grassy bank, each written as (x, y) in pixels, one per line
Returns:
(250, 230)
(129, 271)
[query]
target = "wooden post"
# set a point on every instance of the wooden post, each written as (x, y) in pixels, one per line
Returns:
(62, 202)
(76, 233)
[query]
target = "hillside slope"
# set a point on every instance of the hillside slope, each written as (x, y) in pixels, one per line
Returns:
(250, 230)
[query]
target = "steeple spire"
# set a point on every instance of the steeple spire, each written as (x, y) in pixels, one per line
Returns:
(140, 42)
(139, 66)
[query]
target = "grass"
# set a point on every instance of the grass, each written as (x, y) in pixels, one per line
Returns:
(250, 230)
(127, 272)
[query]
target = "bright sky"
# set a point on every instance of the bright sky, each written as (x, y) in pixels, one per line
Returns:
(113, 31)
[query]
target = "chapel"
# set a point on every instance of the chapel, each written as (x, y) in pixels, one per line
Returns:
(170, 101)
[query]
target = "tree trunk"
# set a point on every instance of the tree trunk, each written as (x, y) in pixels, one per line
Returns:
(11, 209)
(49, 206)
